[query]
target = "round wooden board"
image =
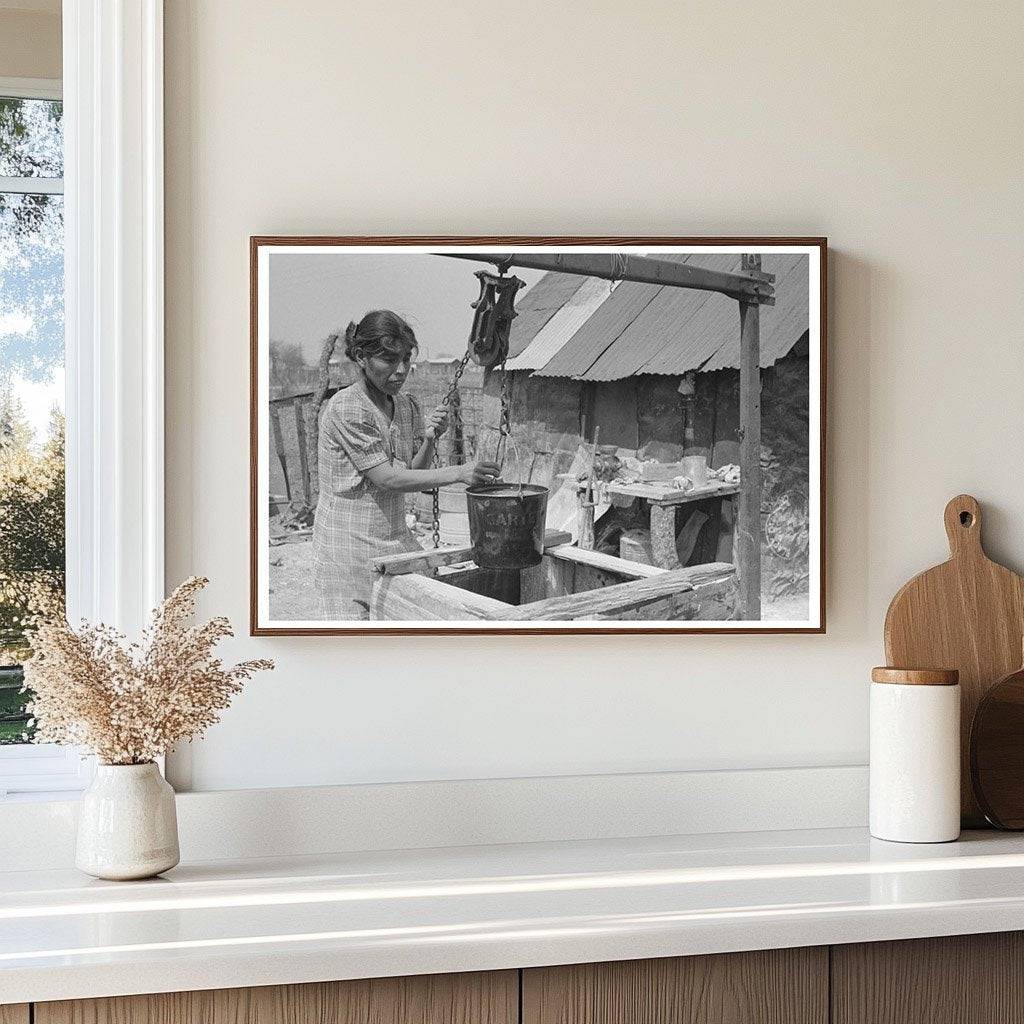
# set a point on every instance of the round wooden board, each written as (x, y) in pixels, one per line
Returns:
(997, 753)
(967, 614)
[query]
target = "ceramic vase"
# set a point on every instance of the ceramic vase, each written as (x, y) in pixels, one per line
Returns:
(127, 825)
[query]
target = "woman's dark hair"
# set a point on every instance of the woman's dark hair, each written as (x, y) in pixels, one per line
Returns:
(380, 332)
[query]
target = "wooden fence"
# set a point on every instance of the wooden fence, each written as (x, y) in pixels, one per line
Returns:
(294, 435)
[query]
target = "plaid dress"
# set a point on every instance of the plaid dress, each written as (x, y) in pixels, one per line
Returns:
(356, 521)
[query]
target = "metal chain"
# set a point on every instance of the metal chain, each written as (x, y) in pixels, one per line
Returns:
(505, 422)
(435, 493)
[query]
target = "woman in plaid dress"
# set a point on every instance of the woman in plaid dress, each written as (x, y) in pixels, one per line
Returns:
(374, 449)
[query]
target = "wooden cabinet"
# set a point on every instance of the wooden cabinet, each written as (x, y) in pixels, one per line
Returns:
(482, 998)
(969, 979)
(777, 986)
(962, 979)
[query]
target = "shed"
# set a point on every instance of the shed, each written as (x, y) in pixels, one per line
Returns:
(656, 369)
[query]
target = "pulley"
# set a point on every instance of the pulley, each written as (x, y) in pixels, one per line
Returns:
(492, 321)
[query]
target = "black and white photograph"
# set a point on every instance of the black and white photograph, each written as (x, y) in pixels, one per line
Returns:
(498, 435)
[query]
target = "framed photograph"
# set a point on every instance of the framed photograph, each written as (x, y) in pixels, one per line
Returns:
(537, 435)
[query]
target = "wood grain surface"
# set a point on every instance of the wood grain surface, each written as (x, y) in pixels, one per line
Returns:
(915, 676)
(997, 752)
(479, 998)
(967, 614)
(961, 979)
(14, 1013)
(780, 986)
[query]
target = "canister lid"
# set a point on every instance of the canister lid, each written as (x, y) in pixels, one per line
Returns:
(916, 676)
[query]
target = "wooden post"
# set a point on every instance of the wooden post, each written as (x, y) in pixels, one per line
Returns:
(300, 430)
(323, 384)
(275, 429)
(749, 525)
(585, 523)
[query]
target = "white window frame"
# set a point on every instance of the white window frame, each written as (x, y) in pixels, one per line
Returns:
(114, 325)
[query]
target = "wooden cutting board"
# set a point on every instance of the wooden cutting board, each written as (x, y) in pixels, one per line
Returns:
(967, 614)
(997, 752)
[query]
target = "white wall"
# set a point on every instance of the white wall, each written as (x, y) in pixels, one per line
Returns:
(895, 129)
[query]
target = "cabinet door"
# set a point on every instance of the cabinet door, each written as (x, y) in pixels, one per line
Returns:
(482, 998)
(961, 979)
(14, 1013)
(778, 986)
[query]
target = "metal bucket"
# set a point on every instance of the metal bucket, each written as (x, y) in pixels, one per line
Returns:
(506, 524)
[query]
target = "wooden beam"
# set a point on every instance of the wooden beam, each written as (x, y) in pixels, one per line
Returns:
(624, 596)
(609, 563)
(748, 553)
(642, 269)
(427, 560)
(413, 597)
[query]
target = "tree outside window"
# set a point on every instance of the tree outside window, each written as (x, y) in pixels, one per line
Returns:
(31, 386)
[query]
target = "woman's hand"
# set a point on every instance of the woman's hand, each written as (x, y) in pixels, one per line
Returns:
(437, 424)
(479, 473)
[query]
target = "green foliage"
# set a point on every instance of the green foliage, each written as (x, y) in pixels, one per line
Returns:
(32, 548)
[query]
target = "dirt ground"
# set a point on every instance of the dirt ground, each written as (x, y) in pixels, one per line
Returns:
(292, 596)
(291, 572)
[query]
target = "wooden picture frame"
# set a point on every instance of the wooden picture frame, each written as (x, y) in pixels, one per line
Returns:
(611, 586)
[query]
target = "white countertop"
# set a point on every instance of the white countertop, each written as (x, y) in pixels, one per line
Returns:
(261, 922)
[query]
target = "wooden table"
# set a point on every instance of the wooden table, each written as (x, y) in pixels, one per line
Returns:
(663, 504)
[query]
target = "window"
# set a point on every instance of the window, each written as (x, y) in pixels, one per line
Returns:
(109, 208)
(32, 563)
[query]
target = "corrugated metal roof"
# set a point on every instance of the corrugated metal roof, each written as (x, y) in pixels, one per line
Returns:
(537, 305)
(564, 324)
(665, 330)
(783, 324)
(589, 343)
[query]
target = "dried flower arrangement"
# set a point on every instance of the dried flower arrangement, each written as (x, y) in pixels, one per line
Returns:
(130, 703)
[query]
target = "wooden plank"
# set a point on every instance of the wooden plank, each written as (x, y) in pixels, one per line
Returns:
(413, 596)
(14, 1013)
(775, 986)
(559, 579)
(634, 594)
(599, 560)
(275, 429)
(533, 582)
(300, 430)
(960, 979)
(663, 496)
(749, 524)
(477, 998)
(426, 560)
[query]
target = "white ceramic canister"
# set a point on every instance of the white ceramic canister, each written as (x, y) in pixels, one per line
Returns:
(127, 825)
(915, 755)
